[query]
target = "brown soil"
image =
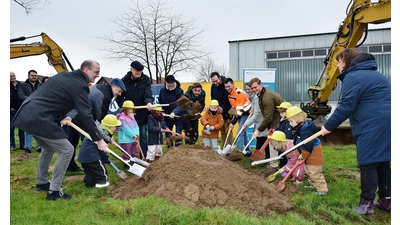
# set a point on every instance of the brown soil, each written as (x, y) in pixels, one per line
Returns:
(196, 176)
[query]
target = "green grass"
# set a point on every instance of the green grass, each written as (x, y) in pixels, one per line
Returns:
(95, 206)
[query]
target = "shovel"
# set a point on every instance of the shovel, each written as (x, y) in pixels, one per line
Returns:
(258, 154)
(244, 149)
(134, 169)
(138, 145)
(181, 100)
(281, 185)
(120, 173)
(319, 133)
(133, 159)
(272, 177)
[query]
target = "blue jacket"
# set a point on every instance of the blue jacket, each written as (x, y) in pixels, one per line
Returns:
(366, 101)
(89, 152)
(155, 136)
(128, 129)
(285, 127)
(168, 96)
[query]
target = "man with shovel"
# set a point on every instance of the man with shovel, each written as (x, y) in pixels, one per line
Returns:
(59, 95)
(268, 101)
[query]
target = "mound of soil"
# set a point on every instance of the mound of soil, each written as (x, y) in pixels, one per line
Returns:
(197, 177)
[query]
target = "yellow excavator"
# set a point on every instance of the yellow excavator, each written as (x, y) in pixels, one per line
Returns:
(55, 54)
(351, 30)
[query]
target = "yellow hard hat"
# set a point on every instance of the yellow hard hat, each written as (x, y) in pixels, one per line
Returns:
(128, 104)
(291, 111)
(278, 135)
(111, 120)
(214, 103)
(284, 105)
(156, 107)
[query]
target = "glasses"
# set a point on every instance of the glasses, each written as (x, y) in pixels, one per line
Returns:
(96, 72)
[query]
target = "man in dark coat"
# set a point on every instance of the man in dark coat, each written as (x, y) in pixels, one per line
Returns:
(138, 90)
(219, 93)
(170, 93)
(52, 101)
(15, 103)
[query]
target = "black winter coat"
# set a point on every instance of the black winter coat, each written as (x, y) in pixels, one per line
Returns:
(169, 96)
(219, 93)
(52, 101)
(15, 102)
(139, 92)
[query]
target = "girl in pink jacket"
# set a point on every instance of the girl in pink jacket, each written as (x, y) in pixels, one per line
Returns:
(280, 143)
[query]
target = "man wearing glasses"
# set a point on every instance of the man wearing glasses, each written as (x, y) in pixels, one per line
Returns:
(27, 88)
(219, 93)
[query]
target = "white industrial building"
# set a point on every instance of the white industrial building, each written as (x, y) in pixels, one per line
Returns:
(299, 60)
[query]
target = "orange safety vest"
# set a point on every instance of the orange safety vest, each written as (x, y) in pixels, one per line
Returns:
(238, 99)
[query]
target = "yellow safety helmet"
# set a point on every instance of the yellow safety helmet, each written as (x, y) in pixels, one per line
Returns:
(156, 107)
(214, 103)
(111, 120)
(291, 111)
(278, 135)
(284, 105)
(128, 104)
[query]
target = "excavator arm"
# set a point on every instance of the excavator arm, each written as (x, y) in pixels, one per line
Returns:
(55, 54)
(351, 30)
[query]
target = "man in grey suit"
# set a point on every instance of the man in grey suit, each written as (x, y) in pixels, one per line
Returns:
(51, 102)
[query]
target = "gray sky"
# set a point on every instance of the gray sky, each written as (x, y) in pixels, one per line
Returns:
(74, 25)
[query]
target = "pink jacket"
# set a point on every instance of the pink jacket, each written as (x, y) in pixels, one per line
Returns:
(292, 156)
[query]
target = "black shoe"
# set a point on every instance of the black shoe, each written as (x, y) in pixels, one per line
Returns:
(27, 150)
(42, 187)
(39, 150)
(54, 195)
(22, 148)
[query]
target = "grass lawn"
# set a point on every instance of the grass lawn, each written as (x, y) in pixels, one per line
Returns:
(95, 206)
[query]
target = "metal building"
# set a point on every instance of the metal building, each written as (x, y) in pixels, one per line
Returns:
(299, 59)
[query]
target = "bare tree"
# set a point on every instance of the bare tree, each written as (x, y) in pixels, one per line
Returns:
(149, 33)
(29, 5)
(207, 67)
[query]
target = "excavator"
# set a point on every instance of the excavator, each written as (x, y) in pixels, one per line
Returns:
(55, 54)
(351, 30)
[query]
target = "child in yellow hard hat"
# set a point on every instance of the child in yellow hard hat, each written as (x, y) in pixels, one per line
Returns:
(92, 159)
(212, 122)
(156, 126)
(128, 130)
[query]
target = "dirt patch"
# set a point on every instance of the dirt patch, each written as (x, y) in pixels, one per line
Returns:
(23, 157)
(197, 177)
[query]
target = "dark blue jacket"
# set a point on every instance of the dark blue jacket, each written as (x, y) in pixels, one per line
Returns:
(219, 93)
(168, 96)
(285, 127)
(304, 131)
(366, 101)
(155, 136)
(139, 92)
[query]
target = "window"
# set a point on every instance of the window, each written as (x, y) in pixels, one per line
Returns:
(272, 55)
(319, 52)
(363, 49)
(283, 54)
(308, 53)
(387, 48)
(295, 54)
(375, 48)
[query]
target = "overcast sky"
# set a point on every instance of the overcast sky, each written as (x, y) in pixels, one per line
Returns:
(74, 25)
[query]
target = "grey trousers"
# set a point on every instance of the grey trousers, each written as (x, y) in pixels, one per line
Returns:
(65, 151)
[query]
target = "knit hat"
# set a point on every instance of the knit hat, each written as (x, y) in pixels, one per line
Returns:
(119, 83)
(170, 79)
(137, 65)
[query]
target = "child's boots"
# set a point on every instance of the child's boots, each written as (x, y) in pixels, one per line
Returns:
(383, 204)
(365, 207)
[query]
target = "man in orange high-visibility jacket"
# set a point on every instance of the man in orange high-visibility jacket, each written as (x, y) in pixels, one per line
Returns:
(238, 99)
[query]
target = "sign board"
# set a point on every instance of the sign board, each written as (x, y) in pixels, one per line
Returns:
(267, 77)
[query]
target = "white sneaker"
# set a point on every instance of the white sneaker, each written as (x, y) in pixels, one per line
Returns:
(102, 185)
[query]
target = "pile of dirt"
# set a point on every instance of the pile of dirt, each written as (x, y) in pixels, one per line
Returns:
(196, 176)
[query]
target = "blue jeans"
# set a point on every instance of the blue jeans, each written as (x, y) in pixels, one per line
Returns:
(242, 139)
(28, 142)
(143, 139)
(21, 133)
